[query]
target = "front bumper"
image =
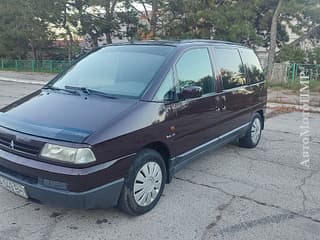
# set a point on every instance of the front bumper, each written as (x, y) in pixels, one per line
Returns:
(101, 197)
(93, 187)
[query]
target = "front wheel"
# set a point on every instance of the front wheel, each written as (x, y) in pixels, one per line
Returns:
(145, 183)
(253, 135)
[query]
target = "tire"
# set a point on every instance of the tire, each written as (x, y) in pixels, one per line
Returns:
(145, 181)
(253, 135)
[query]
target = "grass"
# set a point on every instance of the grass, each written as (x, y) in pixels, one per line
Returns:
(295, 86)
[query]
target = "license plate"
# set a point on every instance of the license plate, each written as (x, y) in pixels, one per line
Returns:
(13, 187)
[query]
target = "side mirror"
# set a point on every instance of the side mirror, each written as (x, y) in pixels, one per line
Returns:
(191, 92)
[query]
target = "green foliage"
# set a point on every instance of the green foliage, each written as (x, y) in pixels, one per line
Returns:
(28, 27)
(314, 56)
(305, 12)
(247, 22)
(23, 25)
(292, 54)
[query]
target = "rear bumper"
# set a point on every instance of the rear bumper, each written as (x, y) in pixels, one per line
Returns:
(101, 197)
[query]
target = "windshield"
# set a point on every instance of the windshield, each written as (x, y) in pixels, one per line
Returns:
(116, 70)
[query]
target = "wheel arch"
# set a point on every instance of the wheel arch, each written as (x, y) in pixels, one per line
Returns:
(261, 113)
(164, 151)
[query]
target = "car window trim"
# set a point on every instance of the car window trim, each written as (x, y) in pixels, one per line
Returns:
(219, 87)
(170, 69)
(257, 83)
(243, 87)
(243, 66)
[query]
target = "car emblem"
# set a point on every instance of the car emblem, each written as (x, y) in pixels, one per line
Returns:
(12, 144)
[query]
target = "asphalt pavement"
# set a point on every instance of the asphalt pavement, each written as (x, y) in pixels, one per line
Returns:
(230, 193)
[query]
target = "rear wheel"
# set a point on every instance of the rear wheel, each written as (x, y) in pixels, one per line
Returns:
(253, 135)
(145, 183)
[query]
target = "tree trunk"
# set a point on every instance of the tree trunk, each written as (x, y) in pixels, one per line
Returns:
(69, 52)
(69, 33)
(154, 18)
(34, 50)
(273, 39)
(109, 39)
(35, 57)
(70, 44)
(94, 40)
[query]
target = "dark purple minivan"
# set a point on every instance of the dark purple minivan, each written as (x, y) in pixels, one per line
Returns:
(116, 126)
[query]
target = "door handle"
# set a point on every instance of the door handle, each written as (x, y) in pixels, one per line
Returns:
(221, 108)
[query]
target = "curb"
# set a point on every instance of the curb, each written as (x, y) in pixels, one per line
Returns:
(296, 107)
(22, 81)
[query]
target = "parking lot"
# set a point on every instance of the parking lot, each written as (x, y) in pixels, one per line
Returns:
(231, 193)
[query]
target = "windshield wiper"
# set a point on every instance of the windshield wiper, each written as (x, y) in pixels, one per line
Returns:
(90, 91)
(60, 89)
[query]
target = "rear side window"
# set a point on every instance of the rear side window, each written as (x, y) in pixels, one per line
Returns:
(252, 66)
(230, 67)
(194, 69)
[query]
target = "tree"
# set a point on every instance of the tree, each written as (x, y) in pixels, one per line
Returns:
(129, 19)
(31, 25)
(65, 19)
(273, 38)
(25, 22)
(292, 54)
(226, 20)
(314, 56)
(100, 18)
(13, 43)
(88, 22)
(152, 10)
(108, 20)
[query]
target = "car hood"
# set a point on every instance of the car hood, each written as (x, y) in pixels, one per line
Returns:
(63, 117)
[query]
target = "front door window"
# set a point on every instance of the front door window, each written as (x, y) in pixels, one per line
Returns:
(194, 69)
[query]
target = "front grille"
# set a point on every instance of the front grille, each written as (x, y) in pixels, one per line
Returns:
(10, 142)
(34, 180)
(21, 147)
(4, 141)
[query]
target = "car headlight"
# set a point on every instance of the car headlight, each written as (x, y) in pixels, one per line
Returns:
(67, 154)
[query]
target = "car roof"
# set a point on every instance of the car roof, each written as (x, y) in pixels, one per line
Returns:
(183, 42)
